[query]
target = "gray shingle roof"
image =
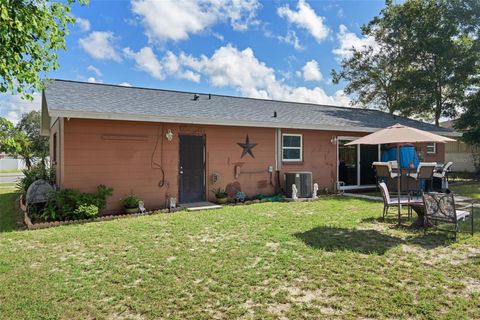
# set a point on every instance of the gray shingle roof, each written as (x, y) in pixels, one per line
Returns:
(100, 101)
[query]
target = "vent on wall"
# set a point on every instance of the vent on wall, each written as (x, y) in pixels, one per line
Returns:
(303, 182)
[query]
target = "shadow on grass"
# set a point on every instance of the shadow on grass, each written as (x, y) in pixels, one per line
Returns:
(429, 240)
(10, 218)
(338, 239)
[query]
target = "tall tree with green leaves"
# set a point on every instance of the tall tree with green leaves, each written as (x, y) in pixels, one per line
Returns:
(12, 141)
(31, 33)
(371, 75)
(428, 52)
(469, 120)
(30, 125)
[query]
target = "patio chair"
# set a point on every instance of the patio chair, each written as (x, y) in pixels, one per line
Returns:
(440, 207)
(424, 174)
(443, 175)
(392, 202)
(383, 170)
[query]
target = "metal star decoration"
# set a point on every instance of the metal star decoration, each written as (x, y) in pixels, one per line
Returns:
(247, 147)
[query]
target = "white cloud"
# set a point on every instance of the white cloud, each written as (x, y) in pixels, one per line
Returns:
(100, 45)
(94, 70)
(240, 13)
(305, 18)
(311, 71)
(349, 40)
(170, 64)
(230, 67)
(92, 80)
(177, 19)
(291, 39)
(83, 24)
(12, 107)
(173, 66)
(125, 84)
(147, 61)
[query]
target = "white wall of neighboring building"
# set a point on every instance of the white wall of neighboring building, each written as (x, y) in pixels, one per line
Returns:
(461, 156)
(11, 164)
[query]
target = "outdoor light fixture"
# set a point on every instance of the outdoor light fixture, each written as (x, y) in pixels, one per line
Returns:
(169, 135)
(333, 140)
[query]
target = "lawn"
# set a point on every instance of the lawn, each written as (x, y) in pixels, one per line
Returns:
(10, 219)
(326, 259)
(10, 171)
(471, 189)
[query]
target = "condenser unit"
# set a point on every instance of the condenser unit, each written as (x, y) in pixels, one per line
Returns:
(303, 182)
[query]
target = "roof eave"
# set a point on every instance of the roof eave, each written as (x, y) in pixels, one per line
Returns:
(202, 121)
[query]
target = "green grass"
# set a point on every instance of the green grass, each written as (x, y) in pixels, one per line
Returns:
(10, 218)
(10, 171)
(7, 185)
(326, 259)
(468, 189)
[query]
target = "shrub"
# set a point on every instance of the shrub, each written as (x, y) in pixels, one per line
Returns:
(36, 172)
(130, 202)
(86, 211)
(220, 193)
(71, 204)
(103, 192)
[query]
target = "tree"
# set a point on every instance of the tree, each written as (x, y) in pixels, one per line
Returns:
(24, 140)
(426, 60)
(469, 121)
(12, 141)
(30, 125)
(437, 54)
(371, 76)
(31, 32)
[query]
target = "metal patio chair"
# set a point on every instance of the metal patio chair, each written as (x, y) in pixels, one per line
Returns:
(440, 207)
(392, 202)
(423, 174)
(443, 175)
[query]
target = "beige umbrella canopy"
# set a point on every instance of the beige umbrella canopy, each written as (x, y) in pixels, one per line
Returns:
(399, 134)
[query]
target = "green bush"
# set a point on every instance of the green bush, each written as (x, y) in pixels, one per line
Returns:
(130, 202)
(86, 211)
(220, 193)
(36, 172)
(71, 204)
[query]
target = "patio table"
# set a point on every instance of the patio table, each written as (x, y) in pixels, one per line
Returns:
(419, 209)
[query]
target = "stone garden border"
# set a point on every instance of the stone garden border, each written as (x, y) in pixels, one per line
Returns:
(43, 225)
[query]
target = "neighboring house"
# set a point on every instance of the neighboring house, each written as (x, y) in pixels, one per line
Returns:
(160, 144)
(460, 153)
(8, 162)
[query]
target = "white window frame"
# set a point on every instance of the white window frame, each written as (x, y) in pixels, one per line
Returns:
(295, 148)
(434, 148)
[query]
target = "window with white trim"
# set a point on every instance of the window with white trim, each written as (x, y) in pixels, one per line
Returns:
(292, 145)
(431, 148)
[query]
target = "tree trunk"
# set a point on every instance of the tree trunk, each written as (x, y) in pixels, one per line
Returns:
(438, 105)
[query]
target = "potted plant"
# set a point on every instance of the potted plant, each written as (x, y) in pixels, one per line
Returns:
(221, 195)
(130, 203)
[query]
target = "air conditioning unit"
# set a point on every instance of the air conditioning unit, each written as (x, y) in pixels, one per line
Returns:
(302, 180)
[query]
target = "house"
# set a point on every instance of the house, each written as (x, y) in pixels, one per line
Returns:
(460, 153)
(160, 143)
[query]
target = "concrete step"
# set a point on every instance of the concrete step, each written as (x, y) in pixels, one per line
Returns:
(197, 206)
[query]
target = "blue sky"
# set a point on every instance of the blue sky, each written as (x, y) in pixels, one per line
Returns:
(273, 49)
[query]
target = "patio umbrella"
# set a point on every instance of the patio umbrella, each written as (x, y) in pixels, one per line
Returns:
(399, 134)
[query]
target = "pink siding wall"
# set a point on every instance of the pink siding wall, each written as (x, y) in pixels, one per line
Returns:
(119, 154)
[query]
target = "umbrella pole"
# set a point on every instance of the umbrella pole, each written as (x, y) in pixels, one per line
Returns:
(398, 185)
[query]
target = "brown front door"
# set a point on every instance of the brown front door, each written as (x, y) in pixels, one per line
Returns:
(192, 168)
